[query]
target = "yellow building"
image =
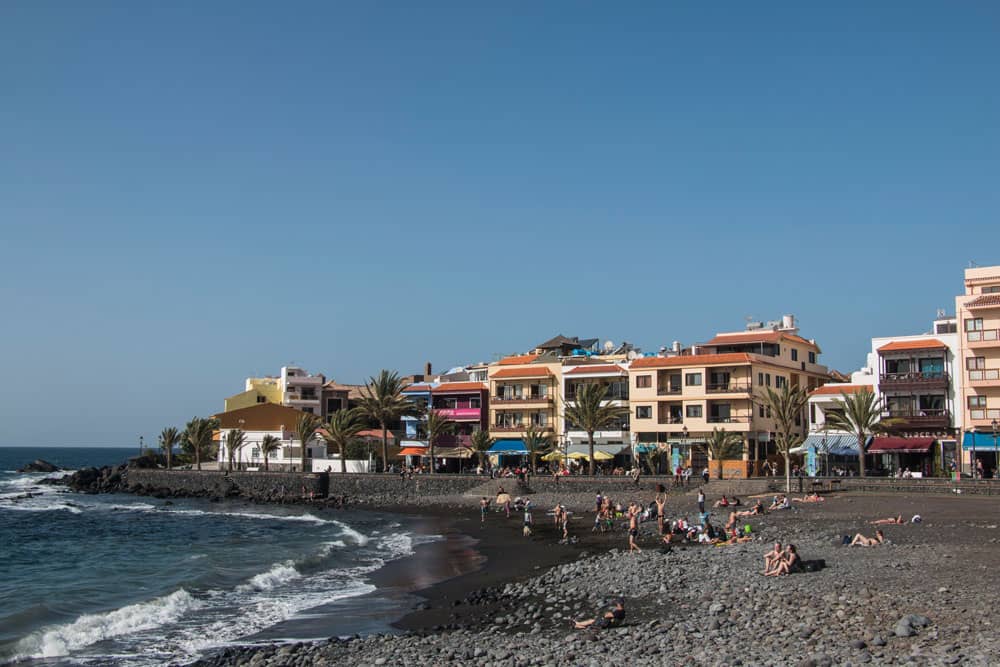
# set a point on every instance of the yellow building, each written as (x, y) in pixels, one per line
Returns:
(978, 313)
(258, 390)
(676, 401)
(524, 389)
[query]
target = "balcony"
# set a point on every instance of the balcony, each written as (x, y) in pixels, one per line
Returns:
(668, 391)
(729, 388)
(514, 400)
(920, 419)
(728, 419)
(983, 338)
(570, 396)
(671, 419)
(984, 378)
(460, 414)
(453, 441)
(915, 380)
(984, 416)
(517, 428)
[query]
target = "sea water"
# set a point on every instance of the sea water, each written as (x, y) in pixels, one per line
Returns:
(126, 580)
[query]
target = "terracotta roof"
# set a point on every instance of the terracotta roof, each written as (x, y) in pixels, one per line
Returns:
(465, 387)
(599, 368)
(518, 359)
(260, 417)
(758, 337)
(984, 301)
(692, 360)
(922, 344)
(375, 433)
(838, 389)
(529, 372)
(418, 387)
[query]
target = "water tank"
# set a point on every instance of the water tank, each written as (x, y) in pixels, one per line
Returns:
(787, 321)
(676, 347)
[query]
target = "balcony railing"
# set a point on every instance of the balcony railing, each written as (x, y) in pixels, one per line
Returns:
(983, 336)
(609, 396)
(539, 398)
(511, 428)
(667, 391)
(729, 387)
(731, 419)
(459, 413)
(670, 420)
(920, 418)
(915, 377)
(984, 413)
(985, 374)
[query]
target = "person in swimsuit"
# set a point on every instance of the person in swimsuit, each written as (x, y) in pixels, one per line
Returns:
(661, 500)
(611, 618)
(787, 564)
(484, 505)
(862, 541)
(896, 521)
(633, 531)
(771, 557)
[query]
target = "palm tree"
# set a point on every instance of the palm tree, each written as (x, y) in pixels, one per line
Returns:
(537, 444)
(481, 443)
(341, 428)
(589, 413)
(170, 437)
(862, 417)
(436, 425)
(235, 439)
(198, 437)
(305, 429)
(383, 402)
(268, 445)
(722, 445)
(786, 407)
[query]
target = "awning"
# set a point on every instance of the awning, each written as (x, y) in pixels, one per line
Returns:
(452, 452)
(981, 441)
(836, 445)
(893, 445)
(584, 449)
(412, 443)
(412, 451)
(510, 446)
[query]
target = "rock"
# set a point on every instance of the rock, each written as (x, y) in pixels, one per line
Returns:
(904, 629)
(858, 644)
(716, 608)
(39, 465)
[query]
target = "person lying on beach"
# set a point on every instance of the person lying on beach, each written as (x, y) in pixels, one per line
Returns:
(787, 564)
(812, 498)
(779, 503)
(862, 541)
(721, 502)
(772, 556)
(896, 521)
(610, 619)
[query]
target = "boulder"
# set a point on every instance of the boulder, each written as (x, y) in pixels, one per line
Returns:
(39, 465)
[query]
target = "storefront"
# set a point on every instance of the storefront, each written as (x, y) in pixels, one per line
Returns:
(895, 454)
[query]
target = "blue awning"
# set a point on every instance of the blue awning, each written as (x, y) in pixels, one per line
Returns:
(982, 440)
(511, 446)
(836, 445)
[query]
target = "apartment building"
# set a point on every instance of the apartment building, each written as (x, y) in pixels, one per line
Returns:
(614, 377)
(257, 421)
(677, 398)
(524, 389)
(978, 314)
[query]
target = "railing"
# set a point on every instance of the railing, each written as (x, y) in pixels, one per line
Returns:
(907, 414)
(988, 413)
(610, 396)
(299, 397)
(453, 441)
(982, 375)
(732, 419)
(508, 428)
(670, 420)
(729, 387)
(914, 377)
(459, 413)
(667, 391)
(983, 336)
(542, 398)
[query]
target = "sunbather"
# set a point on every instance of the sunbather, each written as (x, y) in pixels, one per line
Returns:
(896, 521)
(862, 541)
(611, 618)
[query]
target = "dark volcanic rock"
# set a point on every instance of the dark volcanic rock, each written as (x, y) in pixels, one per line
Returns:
(95, 480)
(38, 465)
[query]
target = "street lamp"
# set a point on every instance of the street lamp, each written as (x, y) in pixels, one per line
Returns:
(826, 456)
(141, 445)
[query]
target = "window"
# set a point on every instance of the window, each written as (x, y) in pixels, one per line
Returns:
(795, 354)
(643, 381)
(812, 413)
(760, 410)
(977, 401)
(767, 379)
(945, 328)
(760, 379)
(812, 357)
(991, 289)
(261, 399)
(693, 411)
(779, 381)
(975, 363)
(692, 379)
(538, 390)
(974, 324)
(643, 412)
(539, 418)
(307, 410)
(767, 412)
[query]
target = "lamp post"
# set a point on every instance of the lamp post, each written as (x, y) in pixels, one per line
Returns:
(142, 446)
(826, 456)
(241, 422)
(687, 447)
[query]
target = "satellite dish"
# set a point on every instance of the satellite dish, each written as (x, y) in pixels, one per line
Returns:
(608, 346)
(632, 354)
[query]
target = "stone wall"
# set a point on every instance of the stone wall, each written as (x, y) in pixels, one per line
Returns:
(253, 485)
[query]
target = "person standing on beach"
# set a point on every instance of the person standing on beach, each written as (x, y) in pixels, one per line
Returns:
(633, 530)
(661, 501)
(484, 505)
(701, 500)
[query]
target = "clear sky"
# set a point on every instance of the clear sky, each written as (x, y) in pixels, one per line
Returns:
(194, 192)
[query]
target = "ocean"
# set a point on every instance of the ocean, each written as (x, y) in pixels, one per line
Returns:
(127, 580)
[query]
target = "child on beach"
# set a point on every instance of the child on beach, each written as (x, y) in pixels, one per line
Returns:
(527, 519)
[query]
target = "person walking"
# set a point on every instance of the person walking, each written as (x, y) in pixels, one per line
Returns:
(633, 530)
(701, 500)
(484, 505)
(704, 475)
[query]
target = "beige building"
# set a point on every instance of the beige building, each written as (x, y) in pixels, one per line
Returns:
(524, 389)
(677, 400)
(978, 313)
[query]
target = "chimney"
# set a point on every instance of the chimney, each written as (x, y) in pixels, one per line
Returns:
(427, 370)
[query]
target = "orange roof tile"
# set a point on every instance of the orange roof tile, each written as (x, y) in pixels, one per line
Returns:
(598, 368)
(922, 344)
(529, 372)
(518, 359)
(418, 387)
(838, 389)
(692, 360)
(758, 337)
(985, 301)
(466, 387)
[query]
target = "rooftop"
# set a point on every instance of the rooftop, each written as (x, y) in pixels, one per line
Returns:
(727, 359)
(920, 344)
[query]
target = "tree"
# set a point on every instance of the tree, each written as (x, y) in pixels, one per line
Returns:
(198, 438)
(170, 437)
(436, 425)
(235, 439)
(481, 443)
(861, 416)
(786, 407)
(268, 445)
(590, 413)
(342, 427)
(722, 445)
(383, 402)
(537, 444)
(653, 457)
(305, 429)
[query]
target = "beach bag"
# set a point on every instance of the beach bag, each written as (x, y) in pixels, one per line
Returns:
(813, 565)
(845, 540)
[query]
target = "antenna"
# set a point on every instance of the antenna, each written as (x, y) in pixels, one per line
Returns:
(940, 313)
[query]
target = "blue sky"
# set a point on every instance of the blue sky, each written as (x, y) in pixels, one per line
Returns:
(194, 192)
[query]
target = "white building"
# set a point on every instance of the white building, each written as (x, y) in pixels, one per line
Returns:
(262, 420)
(614, 376)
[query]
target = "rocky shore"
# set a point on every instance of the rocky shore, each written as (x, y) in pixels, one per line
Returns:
(924, 598)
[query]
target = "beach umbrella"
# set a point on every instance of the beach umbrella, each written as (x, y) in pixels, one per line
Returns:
(553, 456)
(602, 456)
